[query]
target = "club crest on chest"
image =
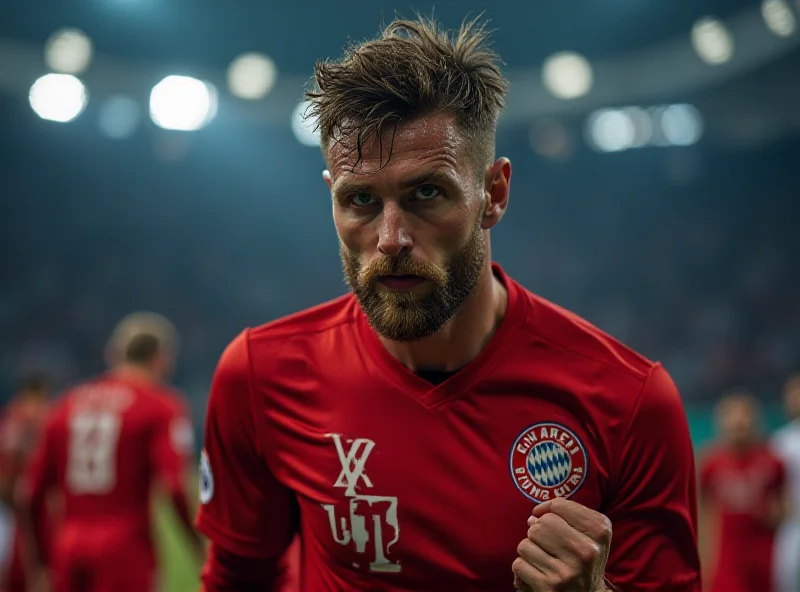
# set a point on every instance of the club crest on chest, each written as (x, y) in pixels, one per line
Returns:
(547, 460)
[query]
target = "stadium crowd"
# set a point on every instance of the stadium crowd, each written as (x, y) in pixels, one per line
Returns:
(706, 283)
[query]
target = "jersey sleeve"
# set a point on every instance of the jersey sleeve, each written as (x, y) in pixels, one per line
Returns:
(10, 452)
(172, 444)
(779, 477)
(39, 479)
(706, 474)
(653, 506)
(41, 473)
(244, 509)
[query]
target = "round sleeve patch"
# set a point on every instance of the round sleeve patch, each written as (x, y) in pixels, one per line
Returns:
(206, 479)
(181, 435)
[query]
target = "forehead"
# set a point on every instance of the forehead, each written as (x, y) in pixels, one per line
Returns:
(432, 142)
(737, 408)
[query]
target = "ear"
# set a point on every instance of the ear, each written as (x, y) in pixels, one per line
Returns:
(497, 184)
(326, 174)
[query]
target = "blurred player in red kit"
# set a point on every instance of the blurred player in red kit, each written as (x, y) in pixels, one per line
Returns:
(786, 444)
(108, 441)
(440, 428)
(20, 427)
(744, 499)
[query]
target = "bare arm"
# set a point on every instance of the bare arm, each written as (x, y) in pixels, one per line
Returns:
(708, 527)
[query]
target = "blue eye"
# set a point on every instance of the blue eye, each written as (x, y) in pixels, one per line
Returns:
(426, 192)
(362, 199)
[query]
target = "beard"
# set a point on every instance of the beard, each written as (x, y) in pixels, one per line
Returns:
(406, 316)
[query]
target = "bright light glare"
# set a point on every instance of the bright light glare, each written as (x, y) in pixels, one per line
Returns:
(712, 41)
(681, 125)
(611, 130)
(68, 51)
(183, 103)
(779, 17)
(567, 75)
(251, 76)
(303, 127)
(642, 126)
(119, 117)
(58, 97)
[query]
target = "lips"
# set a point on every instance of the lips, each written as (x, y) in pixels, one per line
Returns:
(401, 282)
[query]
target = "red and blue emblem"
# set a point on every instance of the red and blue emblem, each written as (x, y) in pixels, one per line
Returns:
(547, 461)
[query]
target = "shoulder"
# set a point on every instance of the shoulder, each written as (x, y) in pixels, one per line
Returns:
(614, 379)
(577, 339)
(617, 386)
(294, 337)
(309, 322)
(9, 415)
(274, 345)
(163, 401)
(710, 456)
(770, 455)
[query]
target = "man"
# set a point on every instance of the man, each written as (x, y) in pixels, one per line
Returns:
(413, 432)
(743, 500)
(107, 442)
(20, 427)
(786, 444)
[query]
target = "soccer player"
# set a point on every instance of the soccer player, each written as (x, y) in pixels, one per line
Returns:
(786, 444)
(743, 499)
(440, 426)
(108, 441)
(20, 427)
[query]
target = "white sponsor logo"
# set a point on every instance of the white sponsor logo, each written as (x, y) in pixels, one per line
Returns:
(368, 523)
(206, 479)
(352, 463)
(181, 435)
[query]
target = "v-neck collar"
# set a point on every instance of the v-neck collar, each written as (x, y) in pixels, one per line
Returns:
(431, 395)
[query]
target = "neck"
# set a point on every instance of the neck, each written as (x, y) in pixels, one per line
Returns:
(742, 447)
(463, 337)
(133, 372)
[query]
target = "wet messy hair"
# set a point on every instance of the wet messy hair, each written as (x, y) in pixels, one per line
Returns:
(413, 68)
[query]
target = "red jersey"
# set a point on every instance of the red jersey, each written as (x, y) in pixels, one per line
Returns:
(106, 442)
(740, 487)
(20, 427)
(406, 485)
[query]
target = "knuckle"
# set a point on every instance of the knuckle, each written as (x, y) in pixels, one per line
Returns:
(564, 575)
(547, 520)
(517, 566)
(587, 554)
(606, 529)
(523, 547)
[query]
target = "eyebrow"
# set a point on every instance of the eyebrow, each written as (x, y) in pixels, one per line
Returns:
(435, 177)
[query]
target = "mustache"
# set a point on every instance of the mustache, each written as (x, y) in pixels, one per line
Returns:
(402, 266)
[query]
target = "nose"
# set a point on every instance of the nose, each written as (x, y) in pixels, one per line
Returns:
(394, 239)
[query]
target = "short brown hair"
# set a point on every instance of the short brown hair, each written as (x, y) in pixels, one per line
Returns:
(37, 382)
(138, 337)
(412, 68)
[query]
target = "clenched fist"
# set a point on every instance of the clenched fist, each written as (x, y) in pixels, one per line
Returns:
(566, 549)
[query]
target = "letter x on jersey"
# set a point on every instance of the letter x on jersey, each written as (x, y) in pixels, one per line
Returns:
(353, 463)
